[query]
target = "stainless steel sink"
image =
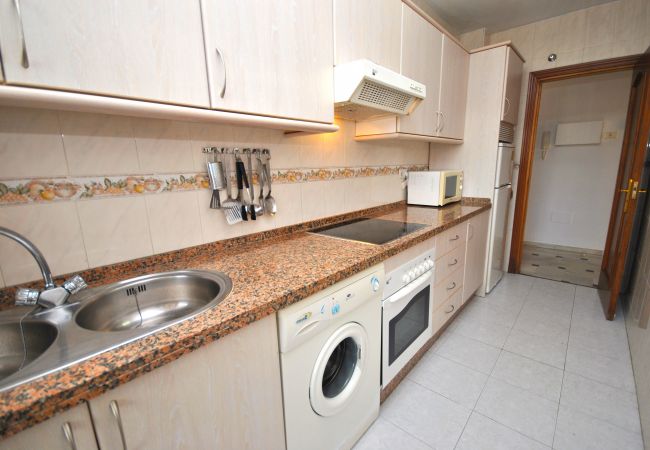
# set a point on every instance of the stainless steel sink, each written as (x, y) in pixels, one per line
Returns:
(18, 349)
(102, 319)
(152, 300)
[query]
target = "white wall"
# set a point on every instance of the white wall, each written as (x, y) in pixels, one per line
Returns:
(571, 190)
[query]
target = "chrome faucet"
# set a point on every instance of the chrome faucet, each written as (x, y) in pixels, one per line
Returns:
(52, 295)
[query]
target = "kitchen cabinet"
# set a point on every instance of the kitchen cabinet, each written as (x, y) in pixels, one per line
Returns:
(146, 50)
(271, 58)
(512, 87)
(368, 29)
(226, 394)
(61, 432)
(453, 90)
(475, 253)
(435, 59)
(421, 60)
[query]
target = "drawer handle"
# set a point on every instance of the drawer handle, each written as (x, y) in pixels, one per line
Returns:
(69, 435)
(455, 238)
(21, 34)
(223, 82)
(115, 410)
(453, 285)
(451, 310)
(454, 263)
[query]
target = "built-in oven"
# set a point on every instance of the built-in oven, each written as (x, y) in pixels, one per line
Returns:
(406, 314)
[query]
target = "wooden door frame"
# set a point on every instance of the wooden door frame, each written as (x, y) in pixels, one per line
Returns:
(533, 100)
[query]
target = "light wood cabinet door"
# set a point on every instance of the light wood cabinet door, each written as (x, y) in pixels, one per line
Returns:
(453, 89)
(476, 250)
(421, 59)
(368, 29)
(271, 57)
(225, 395)
(140, 49)
(512, 87)
(61, 432)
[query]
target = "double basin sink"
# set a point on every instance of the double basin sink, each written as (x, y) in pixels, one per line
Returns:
(101, 319)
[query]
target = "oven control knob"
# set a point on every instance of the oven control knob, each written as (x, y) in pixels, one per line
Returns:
(412, 274)
(430, 264)
(406, 279)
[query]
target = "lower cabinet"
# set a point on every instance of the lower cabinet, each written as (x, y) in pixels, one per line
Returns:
(476, 251)
(71, 429)
(226, 394)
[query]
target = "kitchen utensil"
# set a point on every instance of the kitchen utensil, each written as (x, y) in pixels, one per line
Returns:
(215, 174)
(251, 189)
(269, 202)
(242, 182)
(231, 208)
(259, 209)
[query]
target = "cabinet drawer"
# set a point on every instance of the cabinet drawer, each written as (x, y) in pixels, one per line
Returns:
(448, 263)
(450, 239)
(446, 311)
(447, 287)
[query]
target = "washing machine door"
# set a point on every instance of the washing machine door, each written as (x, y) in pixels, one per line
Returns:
(338, 369)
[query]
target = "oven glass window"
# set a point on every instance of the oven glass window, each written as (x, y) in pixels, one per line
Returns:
(450, 186)
(408, 325)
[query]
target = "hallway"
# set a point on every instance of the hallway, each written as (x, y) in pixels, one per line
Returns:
(532, 366)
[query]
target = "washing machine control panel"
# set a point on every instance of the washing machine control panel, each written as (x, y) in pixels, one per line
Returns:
(297, 322)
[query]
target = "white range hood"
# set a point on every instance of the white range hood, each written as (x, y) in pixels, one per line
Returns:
(363, 90)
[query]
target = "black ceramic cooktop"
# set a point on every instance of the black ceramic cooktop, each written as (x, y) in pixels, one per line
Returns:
(373, 231)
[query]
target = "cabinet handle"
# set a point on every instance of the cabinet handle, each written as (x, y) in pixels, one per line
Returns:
(437, 121)
(21, 32)
(115, 410)
(69, 435)
(505, 113)
(454, 263)
(453, 285)
(442, 122)
(223, 82)
(455, 238)
(451, 310)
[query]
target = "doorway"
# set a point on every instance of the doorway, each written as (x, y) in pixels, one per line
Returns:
(580, 129)
(630, 163)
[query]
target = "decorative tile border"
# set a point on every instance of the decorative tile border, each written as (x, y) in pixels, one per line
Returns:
(44, 190)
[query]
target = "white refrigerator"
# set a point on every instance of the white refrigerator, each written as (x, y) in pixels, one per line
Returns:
(500, 207)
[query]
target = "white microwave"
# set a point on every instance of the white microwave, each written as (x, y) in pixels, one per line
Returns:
(434, 188)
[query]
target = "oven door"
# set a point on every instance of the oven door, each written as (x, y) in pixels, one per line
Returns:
(406, 324)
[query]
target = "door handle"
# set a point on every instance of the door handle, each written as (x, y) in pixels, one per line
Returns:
(69, 435)
(222, 93)
(115, 411)
(628, 193)
(21, 34)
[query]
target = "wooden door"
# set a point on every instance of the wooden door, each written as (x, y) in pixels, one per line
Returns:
(147, 50)
(512, 91)
(225, 395)
(421, 59)
(271, 58)
(628, 196)
(368, 29)
(453, 89)
(62, 432)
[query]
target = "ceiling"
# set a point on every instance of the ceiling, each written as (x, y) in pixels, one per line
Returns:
(462, 16)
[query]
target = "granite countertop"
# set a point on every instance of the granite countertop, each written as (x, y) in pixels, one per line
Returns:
(269, 271)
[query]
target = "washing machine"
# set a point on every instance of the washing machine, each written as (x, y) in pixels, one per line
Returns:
(330, 353)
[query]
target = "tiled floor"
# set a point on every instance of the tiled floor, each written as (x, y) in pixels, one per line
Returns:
(532, 366)
(561, 264)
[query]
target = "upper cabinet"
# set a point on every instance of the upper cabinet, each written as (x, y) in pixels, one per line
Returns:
(512, 87)
(368, 29)
(430, 57)
(453, 90)
(421, 60)
(273, 57)
(147, 50)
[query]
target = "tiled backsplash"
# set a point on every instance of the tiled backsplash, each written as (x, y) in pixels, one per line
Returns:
(93, 189)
